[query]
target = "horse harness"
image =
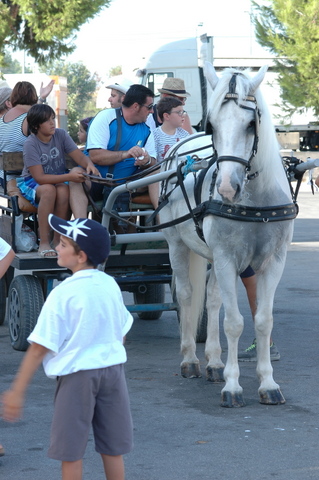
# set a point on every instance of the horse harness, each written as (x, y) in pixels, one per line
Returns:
(232, 95)
(217, 207)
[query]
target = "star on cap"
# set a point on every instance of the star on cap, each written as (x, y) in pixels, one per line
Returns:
(75, 228)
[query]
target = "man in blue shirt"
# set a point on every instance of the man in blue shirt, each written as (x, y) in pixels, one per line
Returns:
(124, 154)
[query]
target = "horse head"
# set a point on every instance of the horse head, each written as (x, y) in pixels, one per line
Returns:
(234, 118)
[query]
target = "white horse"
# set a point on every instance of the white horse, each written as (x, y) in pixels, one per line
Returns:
(248, 220)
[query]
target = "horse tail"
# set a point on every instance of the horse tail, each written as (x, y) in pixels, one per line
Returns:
(197, 277)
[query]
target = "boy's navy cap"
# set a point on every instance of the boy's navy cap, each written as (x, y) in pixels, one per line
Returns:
(91, 236)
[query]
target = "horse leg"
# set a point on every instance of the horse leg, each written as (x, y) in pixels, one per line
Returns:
(215, 367)
(189, 300)
(269, 391)
(232, 393)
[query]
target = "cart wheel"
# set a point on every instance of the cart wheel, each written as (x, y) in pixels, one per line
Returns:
(155, 293)
(25, 300)
(3, 300)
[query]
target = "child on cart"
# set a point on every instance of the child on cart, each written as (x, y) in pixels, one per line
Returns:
(45, 181)
(79, 337)
(6, 257)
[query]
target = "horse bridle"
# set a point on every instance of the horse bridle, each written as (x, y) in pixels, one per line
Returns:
(232, 95)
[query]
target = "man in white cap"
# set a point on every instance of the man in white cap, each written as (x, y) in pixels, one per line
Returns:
(117, 94)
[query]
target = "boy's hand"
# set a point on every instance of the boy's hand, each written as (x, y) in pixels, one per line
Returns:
(92, 170)
(12, 404)
(76, 175)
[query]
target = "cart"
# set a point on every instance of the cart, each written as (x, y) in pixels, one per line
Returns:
(139, 262)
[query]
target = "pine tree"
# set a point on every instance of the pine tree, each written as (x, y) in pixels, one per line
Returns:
(290, 30)
(44, 29)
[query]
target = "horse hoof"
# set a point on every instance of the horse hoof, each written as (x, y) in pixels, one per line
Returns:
(271, 397)
(215, 375)
(230, 400)
(191, 370)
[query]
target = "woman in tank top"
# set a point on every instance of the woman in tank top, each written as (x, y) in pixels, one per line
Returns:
(13, 125)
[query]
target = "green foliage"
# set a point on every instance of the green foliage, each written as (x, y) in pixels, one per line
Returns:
(10, 65)
(81, 91)
(45, 29)
(290, 30)
(115, 71)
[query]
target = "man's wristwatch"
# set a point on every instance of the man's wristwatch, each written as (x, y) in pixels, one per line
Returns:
(42, 100)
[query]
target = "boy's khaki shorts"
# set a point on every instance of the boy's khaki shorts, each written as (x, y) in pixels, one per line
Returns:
(98, 397)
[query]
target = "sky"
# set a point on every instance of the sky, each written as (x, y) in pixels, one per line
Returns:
(128, 31)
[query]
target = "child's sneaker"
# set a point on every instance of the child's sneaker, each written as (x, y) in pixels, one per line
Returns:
(250, 354)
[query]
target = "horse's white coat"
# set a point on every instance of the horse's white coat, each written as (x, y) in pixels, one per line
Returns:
(231, 245)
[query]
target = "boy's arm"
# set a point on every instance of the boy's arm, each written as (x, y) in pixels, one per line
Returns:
(84, 161)
(5, 262)
(13, 399)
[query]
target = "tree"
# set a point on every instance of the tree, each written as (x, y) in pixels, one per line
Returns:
(114, 71)
(81, 91)
(45, 29)
(10, 65)
(290, 30)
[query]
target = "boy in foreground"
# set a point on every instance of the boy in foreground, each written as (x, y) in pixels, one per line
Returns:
(6, 257)
(79, 337)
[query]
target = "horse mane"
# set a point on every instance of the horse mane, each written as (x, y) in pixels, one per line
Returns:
(268, 146)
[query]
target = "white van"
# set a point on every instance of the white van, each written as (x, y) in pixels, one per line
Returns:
(181, 59)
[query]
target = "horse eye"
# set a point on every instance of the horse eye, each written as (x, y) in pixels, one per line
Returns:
(252, 124)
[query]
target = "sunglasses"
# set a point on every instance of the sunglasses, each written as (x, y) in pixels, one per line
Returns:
(149, 107)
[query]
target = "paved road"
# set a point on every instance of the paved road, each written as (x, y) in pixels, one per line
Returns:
(181, 432)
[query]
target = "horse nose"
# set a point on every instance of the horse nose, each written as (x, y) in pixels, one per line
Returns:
(229, 190)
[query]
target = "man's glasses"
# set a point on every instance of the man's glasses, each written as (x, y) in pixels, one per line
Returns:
(149, 107)
(181, 113)
(181, 99)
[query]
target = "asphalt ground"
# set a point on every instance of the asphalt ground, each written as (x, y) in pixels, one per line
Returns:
(181, 432)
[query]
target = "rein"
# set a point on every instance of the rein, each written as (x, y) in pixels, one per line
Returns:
(111, 182)
(211, 207)
(232, 95)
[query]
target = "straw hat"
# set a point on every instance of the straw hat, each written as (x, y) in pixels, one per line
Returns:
(5, 93)
(174, 86)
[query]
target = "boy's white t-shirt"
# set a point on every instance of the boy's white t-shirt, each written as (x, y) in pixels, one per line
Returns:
(164, 142)
(4, 248)
(82, 323)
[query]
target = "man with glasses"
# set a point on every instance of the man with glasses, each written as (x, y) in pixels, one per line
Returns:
(119, 142)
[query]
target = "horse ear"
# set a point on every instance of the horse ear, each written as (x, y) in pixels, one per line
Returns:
(210, 74)
(258, 78)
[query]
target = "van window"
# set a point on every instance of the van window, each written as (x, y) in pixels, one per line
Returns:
(155, 80)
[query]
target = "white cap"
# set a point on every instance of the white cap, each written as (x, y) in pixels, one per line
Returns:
(117, 86)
